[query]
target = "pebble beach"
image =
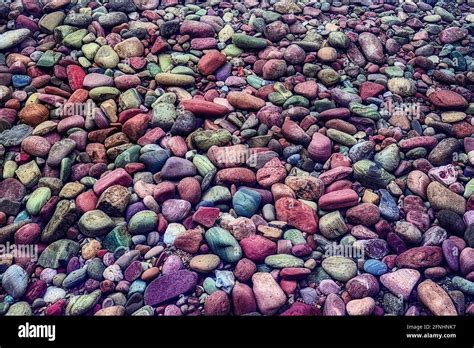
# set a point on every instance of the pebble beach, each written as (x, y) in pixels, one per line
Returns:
(231, 158)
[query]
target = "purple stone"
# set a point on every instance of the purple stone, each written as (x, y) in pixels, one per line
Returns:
(396, 243)
(175, 210)
(91, 285)
(73, 265)
(170, 286)
(133, 209)
(468, 217)
(133, 271)
(78, 171)
(451, 254)
(223, 72)
(172, 264)
(364, 285)
(374, 248)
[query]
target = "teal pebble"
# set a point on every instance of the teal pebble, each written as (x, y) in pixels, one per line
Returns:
(137, 286)
(246, 202)
(375, 267)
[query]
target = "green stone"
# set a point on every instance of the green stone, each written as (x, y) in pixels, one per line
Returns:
(103, 93)
(165, 62)
(130, 155)
(75, 39)
(283, 261)
(463, 285)
(203, 165)
(294, 236)
(118, 237)
(168, 98)
(29, 174)
(364, 111)
(130, 99)
(63, 218)
(81, 304)
(58, 253)
(393, 71)
(249, 42)
(217, 194)
(340, 268)
(206, 138)
(9, 168)
(65, 168)
(62, 31)
(95, 223)
(310, 70)
(391, 20)
(341, 137)
(296, 100)
(153, 68)
(223, 244)
(328, 76)
(432, 18)
(90, 50)
(21, 308)
(255, 81)
(106, 57)
(338, 39)
(277, 98)
(417, 152)
(163, 116)
(332, 225)
(232, 51)
(48, 59)
(388, 158)
(317, 276)
(371, 175)
(209, 285)
(469, 190)
(445, 15)
(323, 105)
(143, 222)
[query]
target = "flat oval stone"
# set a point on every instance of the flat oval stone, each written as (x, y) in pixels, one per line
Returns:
(169, 286)
(15, 281)
(95, 223)
(435, 298)
(339, 268)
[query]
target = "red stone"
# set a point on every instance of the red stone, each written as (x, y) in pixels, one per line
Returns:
(210, 62)
(297, 214)
(257, 248)
(86, 201)
(243, 299)
(135, 127)
(75, 76)
(206, 216)
(204, 108)
(370, 89)
(446, 99)
(338, 199)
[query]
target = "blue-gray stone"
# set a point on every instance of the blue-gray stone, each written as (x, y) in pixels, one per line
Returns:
(246, 202)
(375, 267)
(75, 278)
(154, 160)
(388, 206)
